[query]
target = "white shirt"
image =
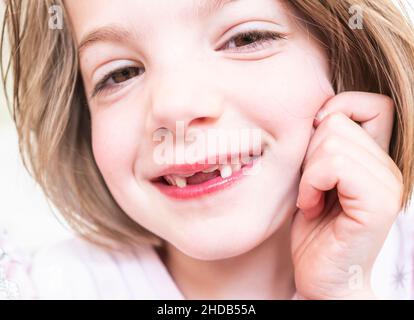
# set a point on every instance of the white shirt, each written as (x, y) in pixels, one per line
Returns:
(75, 269)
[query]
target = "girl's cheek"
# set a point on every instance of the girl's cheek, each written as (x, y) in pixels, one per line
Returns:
(115, 140)
(294, 86)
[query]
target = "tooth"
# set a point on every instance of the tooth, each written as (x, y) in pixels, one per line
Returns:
(181, 182)
(170, 180)
(236, 167)
(225, 171)
(212, 169)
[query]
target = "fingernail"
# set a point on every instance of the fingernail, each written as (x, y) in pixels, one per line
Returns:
(320, 115)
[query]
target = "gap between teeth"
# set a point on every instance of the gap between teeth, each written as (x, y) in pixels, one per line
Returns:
(226, 171)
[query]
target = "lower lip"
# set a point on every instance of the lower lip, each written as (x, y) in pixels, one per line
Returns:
(205, 188)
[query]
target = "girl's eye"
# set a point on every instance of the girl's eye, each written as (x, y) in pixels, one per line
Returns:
(116, 78)
(251, 40)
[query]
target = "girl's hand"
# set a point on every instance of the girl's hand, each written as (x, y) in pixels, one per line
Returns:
(350, 194)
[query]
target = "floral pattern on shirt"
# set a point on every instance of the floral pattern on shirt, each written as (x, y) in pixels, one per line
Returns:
(14, 271)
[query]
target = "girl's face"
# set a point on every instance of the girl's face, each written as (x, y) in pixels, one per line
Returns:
(184, 63)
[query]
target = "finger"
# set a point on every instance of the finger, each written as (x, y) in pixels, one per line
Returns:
(354, 184)
(306, 228)
(340, 125)
(314, 223)
(375, 113)
(336, 145)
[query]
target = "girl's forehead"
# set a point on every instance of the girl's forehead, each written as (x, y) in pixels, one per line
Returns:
(87, 15)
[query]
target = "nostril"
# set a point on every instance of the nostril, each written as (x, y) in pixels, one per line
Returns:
(202, 120)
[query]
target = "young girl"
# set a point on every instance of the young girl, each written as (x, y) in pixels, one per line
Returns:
(329, 86)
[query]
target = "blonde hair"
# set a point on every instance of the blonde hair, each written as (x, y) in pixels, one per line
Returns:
(53, 122)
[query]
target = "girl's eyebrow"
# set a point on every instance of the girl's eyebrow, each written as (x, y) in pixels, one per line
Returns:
(118, 33)
(110, 33)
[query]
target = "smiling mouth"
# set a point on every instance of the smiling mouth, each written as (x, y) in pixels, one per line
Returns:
(206, 180)
(224, 171)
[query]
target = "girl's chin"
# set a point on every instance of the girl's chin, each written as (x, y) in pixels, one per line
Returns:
(229, 230)
(219, 241)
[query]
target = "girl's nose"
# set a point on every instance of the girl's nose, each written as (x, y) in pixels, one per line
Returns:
(185, 98)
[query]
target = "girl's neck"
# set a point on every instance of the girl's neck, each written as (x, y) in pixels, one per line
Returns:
(266, 272)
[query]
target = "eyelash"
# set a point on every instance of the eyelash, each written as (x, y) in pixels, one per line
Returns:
(259, 38)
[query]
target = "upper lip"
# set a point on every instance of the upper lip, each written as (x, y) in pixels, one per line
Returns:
(200, 165)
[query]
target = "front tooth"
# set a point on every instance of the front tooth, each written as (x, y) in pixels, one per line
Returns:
(226, 171)
(236, 167)
(180, 182)
(212, 169)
